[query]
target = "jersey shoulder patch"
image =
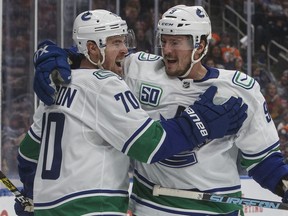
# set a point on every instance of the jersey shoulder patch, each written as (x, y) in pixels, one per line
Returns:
(148, 57)
(243, 80)
(103, 74)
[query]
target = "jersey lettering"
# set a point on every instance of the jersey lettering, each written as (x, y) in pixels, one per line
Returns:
(197, 121)
(150, 95)
(65, 96)
(127, 97)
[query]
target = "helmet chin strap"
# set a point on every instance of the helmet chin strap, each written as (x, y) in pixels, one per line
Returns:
(193, 62)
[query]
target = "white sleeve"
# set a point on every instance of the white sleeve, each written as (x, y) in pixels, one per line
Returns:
(36, 127)
(259, 130)
(119, 113)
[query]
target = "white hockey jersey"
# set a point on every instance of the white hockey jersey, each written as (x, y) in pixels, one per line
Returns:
(212, 168)
(85, 138)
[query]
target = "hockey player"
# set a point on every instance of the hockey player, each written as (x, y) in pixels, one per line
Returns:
(96, 122)
(164, 86)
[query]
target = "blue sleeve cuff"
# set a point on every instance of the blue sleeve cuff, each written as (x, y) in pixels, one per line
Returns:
(270, 171)
(27, 170)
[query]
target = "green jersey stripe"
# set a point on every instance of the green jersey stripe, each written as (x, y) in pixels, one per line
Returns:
(249, 162)
(30, 148)
(87, 205)
(144, 147)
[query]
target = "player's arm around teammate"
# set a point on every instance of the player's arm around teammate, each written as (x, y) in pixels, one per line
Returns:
(171, 36)
(155, 140)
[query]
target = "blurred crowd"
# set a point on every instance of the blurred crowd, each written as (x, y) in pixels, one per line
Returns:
(270, 20)
(17, 94)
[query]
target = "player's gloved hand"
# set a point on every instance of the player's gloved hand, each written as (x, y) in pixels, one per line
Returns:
(52, 68)
(26, 209)
(282, 189)
(74, 56)
(210, 121)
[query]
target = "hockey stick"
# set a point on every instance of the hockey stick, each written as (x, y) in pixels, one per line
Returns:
(158, 190)
(11, 187)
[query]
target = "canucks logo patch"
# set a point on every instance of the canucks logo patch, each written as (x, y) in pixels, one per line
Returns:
(200, 13)
(102, 74)
(147, 57)
(243, 80)
(183, 159)
(150, 95)
(86, 16)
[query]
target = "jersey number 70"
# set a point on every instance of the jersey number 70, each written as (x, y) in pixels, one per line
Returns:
(52, 138)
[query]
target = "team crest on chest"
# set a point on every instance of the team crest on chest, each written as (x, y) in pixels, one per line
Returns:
(150, 95)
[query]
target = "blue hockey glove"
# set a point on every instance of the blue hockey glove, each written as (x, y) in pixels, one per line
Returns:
(24, 210)
(285, 189)
(210, 121)
(74, 56)
(52, 68)
(282, 189)
(27, 170)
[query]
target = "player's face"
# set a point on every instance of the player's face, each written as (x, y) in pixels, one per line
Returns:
(176, 51)
(115, 53)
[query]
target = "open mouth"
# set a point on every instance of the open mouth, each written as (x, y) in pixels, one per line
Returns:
(118, 63)
(171, 61)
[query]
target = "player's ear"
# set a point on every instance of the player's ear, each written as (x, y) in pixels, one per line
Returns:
(93, 49)
(91, 46)
(201, 46)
